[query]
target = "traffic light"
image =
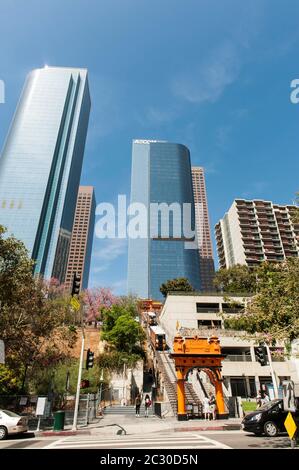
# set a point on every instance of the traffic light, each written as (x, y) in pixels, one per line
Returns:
(261, 354)
(89, 359)
(76, 284)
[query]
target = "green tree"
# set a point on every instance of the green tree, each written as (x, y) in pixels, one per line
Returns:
(273, 312)
(295, 210)
(114, 360)
(238, 279)
(123, 306)
(125, 335)
(34, 323)
(10, 381)
(180, 284)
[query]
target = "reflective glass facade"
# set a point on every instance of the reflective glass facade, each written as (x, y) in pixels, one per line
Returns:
(161, 173)
(40, 165)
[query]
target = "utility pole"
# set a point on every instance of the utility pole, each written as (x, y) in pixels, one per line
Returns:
(275, 387)
(74, 428)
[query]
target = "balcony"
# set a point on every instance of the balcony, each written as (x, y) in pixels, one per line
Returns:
(207, 310)
(238, 358)
(232, 310)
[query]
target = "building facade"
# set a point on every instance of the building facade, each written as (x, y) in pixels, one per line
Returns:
(256, 231)
(82, 237)
(206, 260)
(203, 315)
(161, 175)
(40, 165)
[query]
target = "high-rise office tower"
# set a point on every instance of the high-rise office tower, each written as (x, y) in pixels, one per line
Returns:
(82, 237)
(161, 177)
(41, 163)
(206, 265)
(256, 231)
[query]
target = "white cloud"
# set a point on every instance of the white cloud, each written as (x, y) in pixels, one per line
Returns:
(119, 287)
(160, 116)
(256, 190)
(211, 77)
(110, 250)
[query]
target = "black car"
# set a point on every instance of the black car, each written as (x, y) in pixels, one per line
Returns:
(268, 419)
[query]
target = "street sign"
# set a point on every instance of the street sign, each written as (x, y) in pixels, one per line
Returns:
(290, 425)
(2, 352)
(75, 303)
(289, 402)
(41, 406)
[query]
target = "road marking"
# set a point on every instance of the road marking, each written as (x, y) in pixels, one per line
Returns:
(190, 441)
(212, 441)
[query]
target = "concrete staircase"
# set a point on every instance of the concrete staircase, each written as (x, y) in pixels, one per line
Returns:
(126, 410)
(167, 368)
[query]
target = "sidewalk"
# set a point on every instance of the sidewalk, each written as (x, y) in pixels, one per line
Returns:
(117, 424)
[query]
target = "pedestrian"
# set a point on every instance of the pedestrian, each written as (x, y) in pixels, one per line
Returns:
(206, 407)
(147, 404)
(265, 399)
(137, 404)
(212, 405)
(259, 399)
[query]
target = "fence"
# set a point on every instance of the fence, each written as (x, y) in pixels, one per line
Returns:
(25, 405)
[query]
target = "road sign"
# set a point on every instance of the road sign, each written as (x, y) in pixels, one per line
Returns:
(75, 303)
(41, 406)
(290, 425)
(289, 403)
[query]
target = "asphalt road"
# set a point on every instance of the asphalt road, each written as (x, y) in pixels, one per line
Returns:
(165, 440)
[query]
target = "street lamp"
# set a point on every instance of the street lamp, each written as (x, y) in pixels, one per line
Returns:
(124, 386)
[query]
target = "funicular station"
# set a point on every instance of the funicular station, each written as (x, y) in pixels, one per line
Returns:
(198, 353)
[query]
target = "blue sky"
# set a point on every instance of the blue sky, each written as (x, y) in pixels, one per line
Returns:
(211, 74)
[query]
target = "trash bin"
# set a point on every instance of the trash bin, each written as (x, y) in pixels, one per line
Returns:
(59, 420)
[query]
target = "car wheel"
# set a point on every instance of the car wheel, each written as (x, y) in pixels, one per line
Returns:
(3, 433)
(270, 428)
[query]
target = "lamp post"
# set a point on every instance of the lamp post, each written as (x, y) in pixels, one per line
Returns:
(124, 386)
(74, 427)
(101, 387)
(275, 387)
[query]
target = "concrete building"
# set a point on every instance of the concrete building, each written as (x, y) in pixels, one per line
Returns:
(82, 237)
(199, 314)
(161, 179)
(40, 165)
(256, 231)
(206, 260)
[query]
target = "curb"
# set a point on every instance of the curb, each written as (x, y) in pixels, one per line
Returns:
(61, 433)
(230, 427)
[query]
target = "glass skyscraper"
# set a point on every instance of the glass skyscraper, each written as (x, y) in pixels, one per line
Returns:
(40, 165)
(161, 173)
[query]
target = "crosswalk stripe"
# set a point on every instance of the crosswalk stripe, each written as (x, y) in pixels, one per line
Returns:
(157, 442)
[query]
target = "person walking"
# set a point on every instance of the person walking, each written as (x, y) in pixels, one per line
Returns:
(259, 399)
(206, 408)
(212, 405)
(137, 405)
(147, 404)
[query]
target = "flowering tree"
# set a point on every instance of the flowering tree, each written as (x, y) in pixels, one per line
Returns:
(96, 300)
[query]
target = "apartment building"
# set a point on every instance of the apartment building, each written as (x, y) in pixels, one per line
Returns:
(256, 231)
